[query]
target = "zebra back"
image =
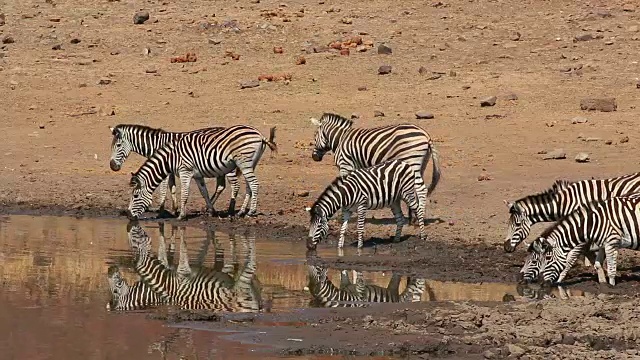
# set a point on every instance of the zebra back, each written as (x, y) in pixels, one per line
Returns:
(325, 294)
(372, 293)
(358, 148)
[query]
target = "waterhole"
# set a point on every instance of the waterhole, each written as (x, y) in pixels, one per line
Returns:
(59, 276)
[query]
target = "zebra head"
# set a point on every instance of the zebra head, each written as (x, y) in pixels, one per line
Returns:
(141, 197)
(119, 289)
(535, 262)
(329, 128)
(318, 227)
(138, 238)
(317, 276)
(518, 228)
(553, 261)
(120, 148)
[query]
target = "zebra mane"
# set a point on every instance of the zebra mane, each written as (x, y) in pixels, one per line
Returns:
(159, 154)
(336, 120)
(135, 127)
(334, 186)
(557, 187)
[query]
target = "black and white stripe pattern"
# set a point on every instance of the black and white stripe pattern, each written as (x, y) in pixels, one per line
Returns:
(358, 148)
(380, 186)
(145, 141)
(325, 294)
(605, 225)
(200, 155)
(373, 293)
(201, 288)
(560, 200)
(125, 297)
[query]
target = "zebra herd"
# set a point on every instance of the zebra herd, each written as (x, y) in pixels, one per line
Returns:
(226, 286)
(595, 216)
(378, 168)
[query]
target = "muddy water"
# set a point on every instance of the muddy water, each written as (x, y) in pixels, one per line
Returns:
(55, 289)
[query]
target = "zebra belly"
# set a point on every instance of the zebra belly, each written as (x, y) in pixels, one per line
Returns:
(212, 172)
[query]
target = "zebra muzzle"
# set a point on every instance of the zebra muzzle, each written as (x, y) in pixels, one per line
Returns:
(114, 166)
(130, 216)
(316, 156)
(507, 246)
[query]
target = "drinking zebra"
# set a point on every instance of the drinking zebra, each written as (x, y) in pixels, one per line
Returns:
(201, 288)
(358, 148)
(535, 262)
(607, 225)
(373, 293)
(125, 297)
(145, 141)
(325, 294)
(198, 155)
(559, 201)
(380, 186)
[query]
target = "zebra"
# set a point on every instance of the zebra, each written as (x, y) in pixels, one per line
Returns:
(199, 155)
(379, 186)
(373, 293)
(535, 262)
(125, 297)
(358, 148)
(202, 288)
(145, 141)
(559, 201)
(607, 225)
(325, 294)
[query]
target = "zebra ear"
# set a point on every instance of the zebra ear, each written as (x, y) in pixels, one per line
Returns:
(315, 121)
(509, 205)
(541, 245)
(134, 182)
(307, 209)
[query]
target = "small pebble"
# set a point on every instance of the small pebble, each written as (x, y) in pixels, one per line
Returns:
(384, 69)
(488, 101)
(140, 17)
(378, 113)
(582, 157)
(421, 115)
(384, 49)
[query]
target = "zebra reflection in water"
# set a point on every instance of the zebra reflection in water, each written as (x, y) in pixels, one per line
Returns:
(221, 288)
(358, 294)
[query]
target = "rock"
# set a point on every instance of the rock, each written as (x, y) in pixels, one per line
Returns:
(278, 50)
(345, 52)
(555, 155)
(41, 126)
(582, 157)
(302, 193)
(515, 350)
(301, 60)
(488, 354)
(355, 116)
(56, 47)
(249, 84)
(362, 88)
(434, 76)
(632, 28)
(213, 41)
(452, 73)
(422, 70)
(599, 104)
(151, 70)
(568, 339)
(384, 49)
(515, 36)
(609, 42)
(579, 120)
(484, 177)
(628, 7)
(104, 81)
(508, 298)
(378, 113)
(421, 115)
(347, 21)
(511, 97)
(75, 41)
(608, 142)
(625, 139)
(583, 37)
(8, 39)
(146, 51)
(2, 19)
(384, 69)
(140, 17)
(488, 101)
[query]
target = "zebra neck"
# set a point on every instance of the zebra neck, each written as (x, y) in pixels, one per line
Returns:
(334, 198)
(541, 208)
(160, 279)
(151, 141)
(157, 168)
(335, 137)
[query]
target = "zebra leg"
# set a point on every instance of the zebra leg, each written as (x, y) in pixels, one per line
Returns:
(220, 185)
(597, 264)
(171, 184)
(162, 193)
(346, 215)
(252, 191)
(417, 205)
(572, 257)
(184, 270)
(361, 217)
(162, 249)
(235, 188)
(185, 179)
(611, 251)
(205, 194)
(399, 216)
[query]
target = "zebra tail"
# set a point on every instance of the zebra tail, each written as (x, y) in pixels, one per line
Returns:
(435, 177)
(271, 143)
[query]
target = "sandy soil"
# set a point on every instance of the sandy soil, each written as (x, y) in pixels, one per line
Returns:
(70, 69)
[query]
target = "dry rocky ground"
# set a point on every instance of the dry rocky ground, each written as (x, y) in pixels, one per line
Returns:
(504, 82)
